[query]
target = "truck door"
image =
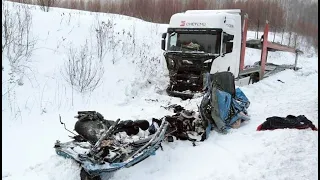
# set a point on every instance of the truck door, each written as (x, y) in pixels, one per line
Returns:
(225, 62)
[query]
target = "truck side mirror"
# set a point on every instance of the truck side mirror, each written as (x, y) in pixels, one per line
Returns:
(164, 35)
(163, 41)
(227, 37)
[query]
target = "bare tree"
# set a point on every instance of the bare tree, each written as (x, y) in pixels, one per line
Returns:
(104, 33)
(282, 33)
(82, 71)
(295, 39)
(46, 4)
(17, 43)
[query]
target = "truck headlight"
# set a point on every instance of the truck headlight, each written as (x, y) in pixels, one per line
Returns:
(171, 63)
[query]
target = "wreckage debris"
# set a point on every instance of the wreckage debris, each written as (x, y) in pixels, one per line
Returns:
(289, 122)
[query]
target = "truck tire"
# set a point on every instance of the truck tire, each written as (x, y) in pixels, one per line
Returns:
(89, 129)
(254, 77)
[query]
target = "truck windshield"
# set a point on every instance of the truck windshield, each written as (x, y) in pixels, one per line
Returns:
(190, 42)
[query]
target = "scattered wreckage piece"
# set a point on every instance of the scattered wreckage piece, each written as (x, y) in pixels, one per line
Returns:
(289, 122)
(223, 106)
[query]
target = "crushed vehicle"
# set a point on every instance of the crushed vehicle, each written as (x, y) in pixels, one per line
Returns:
(103, 146)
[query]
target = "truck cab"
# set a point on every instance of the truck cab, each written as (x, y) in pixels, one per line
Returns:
(198, 43)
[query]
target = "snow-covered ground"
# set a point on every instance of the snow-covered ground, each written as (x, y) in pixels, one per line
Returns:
(132, 87)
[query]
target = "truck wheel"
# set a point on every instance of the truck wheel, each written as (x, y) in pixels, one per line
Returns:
(85, 176)
(254, 77)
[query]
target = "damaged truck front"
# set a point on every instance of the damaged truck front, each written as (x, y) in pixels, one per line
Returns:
(195, 46)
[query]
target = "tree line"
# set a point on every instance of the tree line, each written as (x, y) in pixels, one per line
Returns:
(291, 16)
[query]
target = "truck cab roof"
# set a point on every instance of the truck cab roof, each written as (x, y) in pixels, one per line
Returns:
(215, 19)
(230, 11)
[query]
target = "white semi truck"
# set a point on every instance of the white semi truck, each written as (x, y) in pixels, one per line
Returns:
(198, 42)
